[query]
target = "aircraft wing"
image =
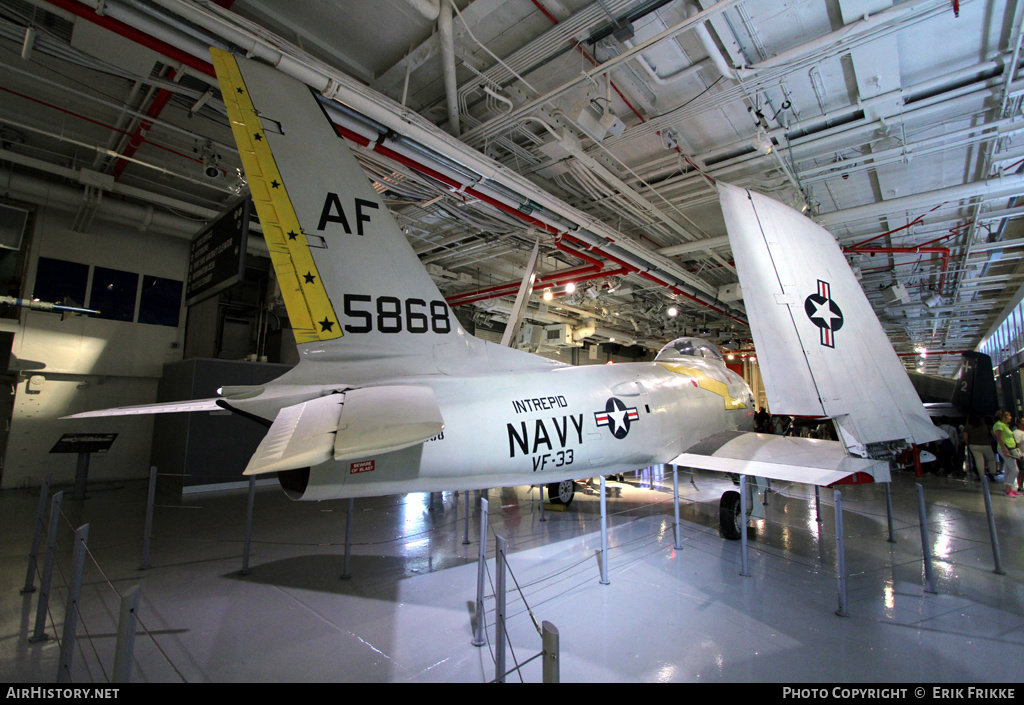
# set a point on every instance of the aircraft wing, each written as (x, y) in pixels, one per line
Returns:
(169, 407)
(806, 460)
(356, 424)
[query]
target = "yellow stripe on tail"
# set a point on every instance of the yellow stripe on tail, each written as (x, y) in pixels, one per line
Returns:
(309, 307)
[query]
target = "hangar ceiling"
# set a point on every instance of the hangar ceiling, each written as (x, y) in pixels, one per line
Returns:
(597, 129)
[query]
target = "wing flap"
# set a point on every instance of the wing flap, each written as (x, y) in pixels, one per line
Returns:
(385, 419)
(805, 460)
(356, 424)
(302, 435)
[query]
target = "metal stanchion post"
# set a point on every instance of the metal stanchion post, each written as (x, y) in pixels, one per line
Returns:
(251, 501)
(81, 476)
(549, 639)
(888, 509)
(147, 532)
(37, 537)
(675, 504)
(348, 537)
(745, 569)
(67, 644)
(817, 504)
(44, 581)
(499, 611)
(604, 535)
(991, 526)
(926, 548)
(125, 646)
(840, 554)
(465, 537)
(478, 633)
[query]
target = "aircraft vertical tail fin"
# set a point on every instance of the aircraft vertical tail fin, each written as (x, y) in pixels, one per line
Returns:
(975, 389)
(822, 350)
(353, 286)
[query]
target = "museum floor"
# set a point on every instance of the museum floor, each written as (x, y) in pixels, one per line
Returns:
(405, 615)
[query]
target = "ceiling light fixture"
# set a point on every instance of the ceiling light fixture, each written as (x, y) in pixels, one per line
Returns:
(672, 311)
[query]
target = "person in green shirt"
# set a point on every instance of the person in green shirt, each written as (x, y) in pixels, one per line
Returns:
(1008, 451)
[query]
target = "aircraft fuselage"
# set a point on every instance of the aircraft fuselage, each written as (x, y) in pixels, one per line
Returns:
(549, 425)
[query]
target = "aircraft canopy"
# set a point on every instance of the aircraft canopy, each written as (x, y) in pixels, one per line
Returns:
(688, 347)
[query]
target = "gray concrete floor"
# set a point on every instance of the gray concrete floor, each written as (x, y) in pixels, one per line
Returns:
(406, 613)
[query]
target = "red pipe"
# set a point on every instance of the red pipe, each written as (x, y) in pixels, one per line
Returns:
(126, 30)
(581, 50)
(944, 251)
(90, 120)
(509, 287)
(915, 221)
(575, 253)
(176, 54)
(563, 278)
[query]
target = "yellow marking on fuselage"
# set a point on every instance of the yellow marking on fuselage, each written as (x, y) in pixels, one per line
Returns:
(706, 382)
(310, 310)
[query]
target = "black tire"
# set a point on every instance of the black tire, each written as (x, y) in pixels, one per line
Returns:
(731, 523)
(561, 492)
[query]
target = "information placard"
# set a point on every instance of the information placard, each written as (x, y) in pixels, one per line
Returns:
(217, 254)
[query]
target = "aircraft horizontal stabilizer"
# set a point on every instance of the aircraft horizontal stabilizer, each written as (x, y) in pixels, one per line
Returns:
(162, 408)
(806, 460)
(356, 424)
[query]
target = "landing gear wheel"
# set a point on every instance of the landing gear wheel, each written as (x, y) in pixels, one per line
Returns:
(731, 521)
(562, 492)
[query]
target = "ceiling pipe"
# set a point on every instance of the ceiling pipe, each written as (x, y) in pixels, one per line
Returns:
(122, 21)
(337, 86)
(428, 8)
(996, 187)
(556, 278)
(943, 251)
(867, 23)
(451, 85)
(138, 138)
(576, 276)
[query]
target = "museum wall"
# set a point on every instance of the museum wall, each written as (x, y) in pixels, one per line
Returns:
(61, 367)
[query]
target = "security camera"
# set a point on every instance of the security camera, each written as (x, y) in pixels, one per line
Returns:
(211, 160)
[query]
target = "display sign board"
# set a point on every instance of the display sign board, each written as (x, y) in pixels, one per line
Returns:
(217, 254)
(84, 443)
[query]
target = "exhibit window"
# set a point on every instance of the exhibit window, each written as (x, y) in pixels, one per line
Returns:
(114, 294)
(58, 281)
(160, 303)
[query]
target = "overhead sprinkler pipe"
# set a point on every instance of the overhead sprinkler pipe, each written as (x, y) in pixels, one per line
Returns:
(943, 251)
(375, 107)
(557, 279)
(451, 86)
(136, 35)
